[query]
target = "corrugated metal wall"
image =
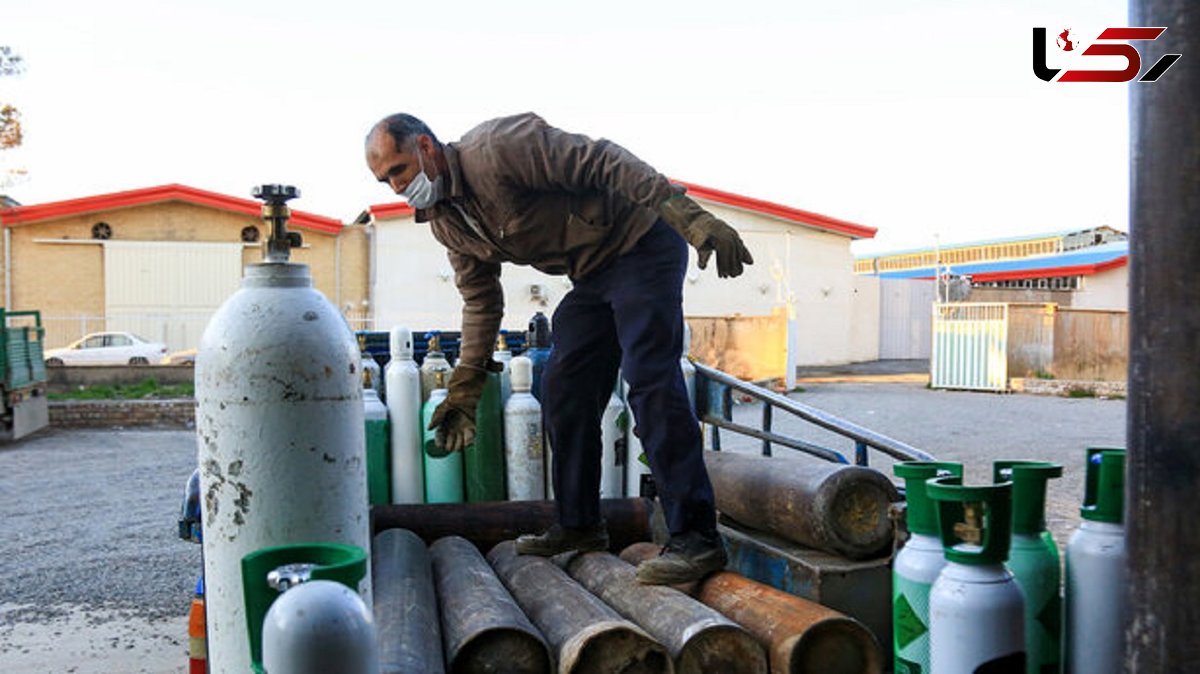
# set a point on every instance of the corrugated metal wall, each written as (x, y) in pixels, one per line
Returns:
(970, 346)
(166, 291)
(904, 320)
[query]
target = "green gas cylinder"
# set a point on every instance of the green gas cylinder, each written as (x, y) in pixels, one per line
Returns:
(484, 458)
(444, 474)
(917, 565)
(1034, 562)
(375, 417)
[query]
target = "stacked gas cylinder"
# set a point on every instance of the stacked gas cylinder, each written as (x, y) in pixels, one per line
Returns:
(510, 457)
(977, 587)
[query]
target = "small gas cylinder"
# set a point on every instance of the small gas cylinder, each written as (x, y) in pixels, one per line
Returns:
(435, 362)
(1096, 578)
(503, 356)
(523, 449)
(318, 627)
(613, 446)
(404, 417)
(443, 475)
(375, 418)
(1033, 560)
(483, 459)
(686, 367)
(537, 349)
(917, 566)
(372, 376)
(976, 609)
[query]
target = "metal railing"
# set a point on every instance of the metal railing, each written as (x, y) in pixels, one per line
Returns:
(714, 402)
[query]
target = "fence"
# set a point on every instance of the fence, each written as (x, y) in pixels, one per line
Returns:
(970, 346)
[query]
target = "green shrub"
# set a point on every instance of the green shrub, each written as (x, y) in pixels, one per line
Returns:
(146, 389)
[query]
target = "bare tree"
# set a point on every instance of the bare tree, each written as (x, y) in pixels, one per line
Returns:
(11, 133)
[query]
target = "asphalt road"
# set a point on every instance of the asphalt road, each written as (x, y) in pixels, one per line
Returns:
(94, 580)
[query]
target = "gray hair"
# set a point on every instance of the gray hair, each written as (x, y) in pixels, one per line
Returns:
(403, 128)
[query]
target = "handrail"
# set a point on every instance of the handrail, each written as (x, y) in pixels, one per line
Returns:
(714, 401)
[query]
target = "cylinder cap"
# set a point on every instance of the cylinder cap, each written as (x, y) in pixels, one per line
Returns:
(539, 332)
(921, 513)
(522, 374)
(401, 343)
(975, 522)
(1104, 486)
(1029, 480)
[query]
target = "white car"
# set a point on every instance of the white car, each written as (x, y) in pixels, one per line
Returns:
(108, 348)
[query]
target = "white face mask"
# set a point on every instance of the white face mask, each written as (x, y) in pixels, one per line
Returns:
(421, 192)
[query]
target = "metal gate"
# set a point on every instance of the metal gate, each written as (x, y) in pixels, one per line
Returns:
(970, 346)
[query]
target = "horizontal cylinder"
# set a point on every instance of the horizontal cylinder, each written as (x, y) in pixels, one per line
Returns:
(799, 635)
(836, 508)
(487, 524)
(698, 637)
(586, 635)
(406, 611)
(482, 625)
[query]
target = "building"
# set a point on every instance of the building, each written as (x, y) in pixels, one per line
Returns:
(155, 261)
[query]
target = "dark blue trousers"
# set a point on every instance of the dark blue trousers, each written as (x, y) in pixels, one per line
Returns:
(628, 314)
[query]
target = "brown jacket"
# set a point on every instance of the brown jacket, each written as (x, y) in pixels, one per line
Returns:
(522, 191)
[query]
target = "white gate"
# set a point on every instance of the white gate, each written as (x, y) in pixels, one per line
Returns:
(970, 346)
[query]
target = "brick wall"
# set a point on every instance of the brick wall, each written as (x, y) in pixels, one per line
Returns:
(180, 414)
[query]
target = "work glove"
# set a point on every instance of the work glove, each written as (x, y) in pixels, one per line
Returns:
(454, 419)
(707, 234)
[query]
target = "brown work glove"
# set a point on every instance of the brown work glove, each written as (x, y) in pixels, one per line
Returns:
(707, 234)
(454, 419)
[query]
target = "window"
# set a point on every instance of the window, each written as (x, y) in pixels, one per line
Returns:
(118, 340)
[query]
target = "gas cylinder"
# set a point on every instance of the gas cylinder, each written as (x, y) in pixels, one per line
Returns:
(317, 627)
(537, 349)
(976, 609)
(197, 639)
(612, 446)
(375, 418)
(916, 566)
(1096, 578)
(483, 459)
(443, 475)
(686, 367)
(1033, 560)
(637, 465)
(372, 376)
(523, 449)
(435, 362)
(404, 415)
(279, 419)
(503, 356)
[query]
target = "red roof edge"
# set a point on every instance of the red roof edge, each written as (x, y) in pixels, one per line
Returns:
(1074, 270)
(20, 215)
(780, 211)
(396, 209)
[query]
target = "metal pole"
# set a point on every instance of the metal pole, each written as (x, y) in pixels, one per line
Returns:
(1163, 470)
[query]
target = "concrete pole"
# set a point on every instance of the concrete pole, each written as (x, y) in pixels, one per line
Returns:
(1163, 470)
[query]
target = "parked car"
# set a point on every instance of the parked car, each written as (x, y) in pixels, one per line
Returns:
(108, 348)
(185, 358)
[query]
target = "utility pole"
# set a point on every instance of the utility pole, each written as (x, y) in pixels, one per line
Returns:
(1162, 632)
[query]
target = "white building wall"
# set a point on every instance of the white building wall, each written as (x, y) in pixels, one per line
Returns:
(806, 272)
(1106, 290)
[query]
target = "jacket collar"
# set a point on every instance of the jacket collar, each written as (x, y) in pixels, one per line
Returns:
(454, 184)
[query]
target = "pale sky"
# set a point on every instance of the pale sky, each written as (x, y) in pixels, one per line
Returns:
(920, 118)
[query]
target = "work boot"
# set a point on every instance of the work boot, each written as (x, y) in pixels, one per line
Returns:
(689, 556)
(559, 539)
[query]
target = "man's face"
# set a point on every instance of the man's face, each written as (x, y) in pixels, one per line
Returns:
(391, 165)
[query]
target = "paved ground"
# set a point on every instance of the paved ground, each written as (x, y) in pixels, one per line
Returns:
(93, 580)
